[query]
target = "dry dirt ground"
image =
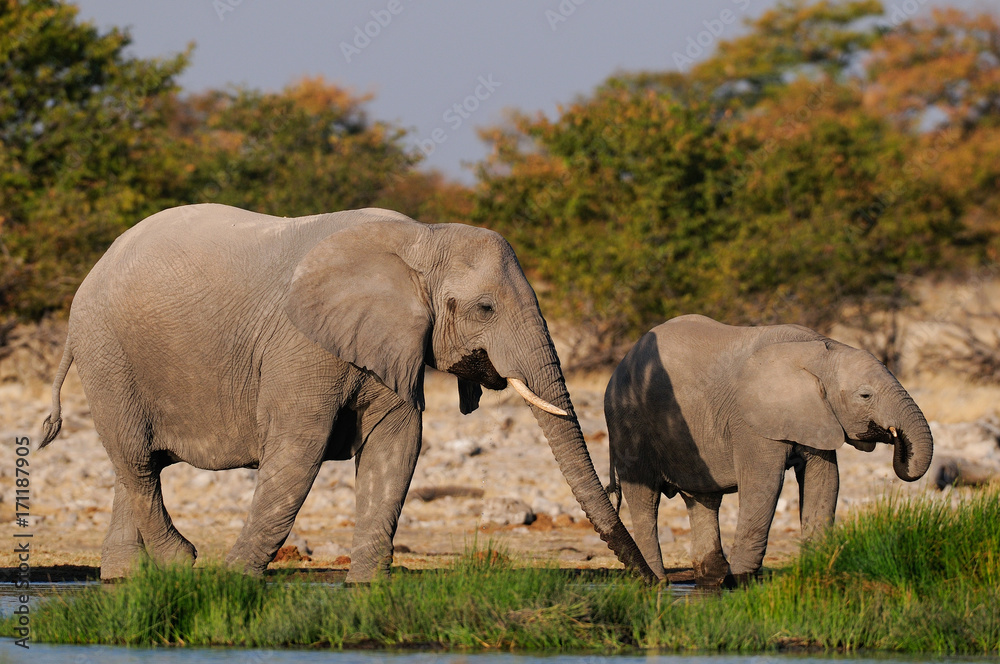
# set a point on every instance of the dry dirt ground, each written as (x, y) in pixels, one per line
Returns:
(480, 475)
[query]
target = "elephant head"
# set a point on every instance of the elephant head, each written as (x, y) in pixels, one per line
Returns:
(392, 295)
(821, 393)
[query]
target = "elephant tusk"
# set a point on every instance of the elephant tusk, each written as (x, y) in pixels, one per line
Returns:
(895, 434)
(534, 399)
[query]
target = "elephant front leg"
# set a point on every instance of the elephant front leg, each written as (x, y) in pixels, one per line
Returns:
(760, 473)
(285, 476)
(819, 485)
(385, 467)
(710, 565)
(644, 506)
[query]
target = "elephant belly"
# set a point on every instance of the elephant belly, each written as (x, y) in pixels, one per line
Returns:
(694, 455)
(697, 468)
(210, 452)
(202, 416)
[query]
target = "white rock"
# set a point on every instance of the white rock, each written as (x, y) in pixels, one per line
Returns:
(330, 550)
(463, 446)
(507, 511)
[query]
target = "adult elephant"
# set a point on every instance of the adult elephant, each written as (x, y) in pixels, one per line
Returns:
(704, 409)
(226, 338)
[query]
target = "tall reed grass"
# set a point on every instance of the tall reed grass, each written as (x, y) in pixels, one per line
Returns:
(908, 575)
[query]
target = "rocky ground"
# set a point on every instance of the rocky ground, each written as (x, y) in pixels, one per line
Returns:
(488, 476)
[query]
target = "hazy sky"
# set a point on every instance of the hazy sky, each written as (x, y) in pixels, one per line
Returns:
(439, 69)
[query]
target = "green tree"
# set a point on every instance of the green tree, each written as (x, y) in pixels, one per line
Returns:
(82, 140)
(786, 174)
(939, 79)
(307, 149)
(607, 201)
(92, 141)
(795, 38)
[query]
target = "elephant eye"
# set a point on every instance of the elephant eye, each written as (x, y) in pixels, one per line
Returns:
(484, 311)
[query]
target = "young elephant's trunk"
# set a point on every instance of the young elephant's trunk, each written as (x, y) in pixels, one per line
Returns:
(913, 444)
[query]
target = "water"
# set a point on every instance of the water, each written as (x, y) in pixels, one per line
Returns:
(39, 590)
(48, 654)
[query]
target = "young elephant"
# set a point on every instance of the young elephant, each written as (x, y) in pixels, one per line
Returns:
(704, 409)
(225, 339)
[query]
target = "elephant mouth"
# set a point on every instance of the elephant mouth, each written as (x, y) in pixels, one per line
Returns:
(862, 445)
(477, 367)
(875, 434)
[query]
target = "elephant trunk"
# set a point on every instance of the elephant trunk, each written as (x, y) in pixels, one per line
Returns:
(912, 442)
(570, 451)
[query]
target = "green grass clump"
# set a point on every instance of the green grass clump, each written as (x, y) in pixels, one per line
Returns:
(481, 602)
(915, 543)
(907, 575)
(914, 575)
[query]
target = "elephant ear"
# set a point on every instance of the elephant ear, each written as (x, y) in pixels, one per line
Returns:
(781, 399)
(354, 296)
(469, 392)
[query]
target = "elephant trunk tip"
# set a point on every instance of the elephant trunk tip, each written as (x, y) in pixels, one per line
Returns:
(631, 557)
(909, 461)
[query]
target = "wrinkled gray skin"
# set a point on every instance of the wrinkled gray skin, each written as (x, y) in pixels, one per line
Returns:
(228, 339)
(705, 409)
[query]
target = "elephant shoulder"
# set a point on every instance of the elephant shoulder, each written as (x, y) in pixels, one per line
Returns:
(692, 322)
(382, 213)
(791, 332)
(682, 338)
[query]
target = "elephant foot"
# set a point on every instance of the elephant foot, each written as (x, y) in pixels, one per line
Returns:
(366, 573)
(744, 579)
(248, 567)
(119, 563)
(712, 572)
(178, 552)
(360, 577)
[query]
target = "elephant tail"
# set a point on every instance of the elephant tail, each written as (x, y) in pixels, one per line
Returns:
(52, 423)
(614, 488)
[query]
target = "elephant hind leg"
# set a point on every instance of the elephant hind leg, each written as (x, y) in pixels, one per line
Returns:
(139, 518)
(710, 565)
(163, 542)
(123, 546)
